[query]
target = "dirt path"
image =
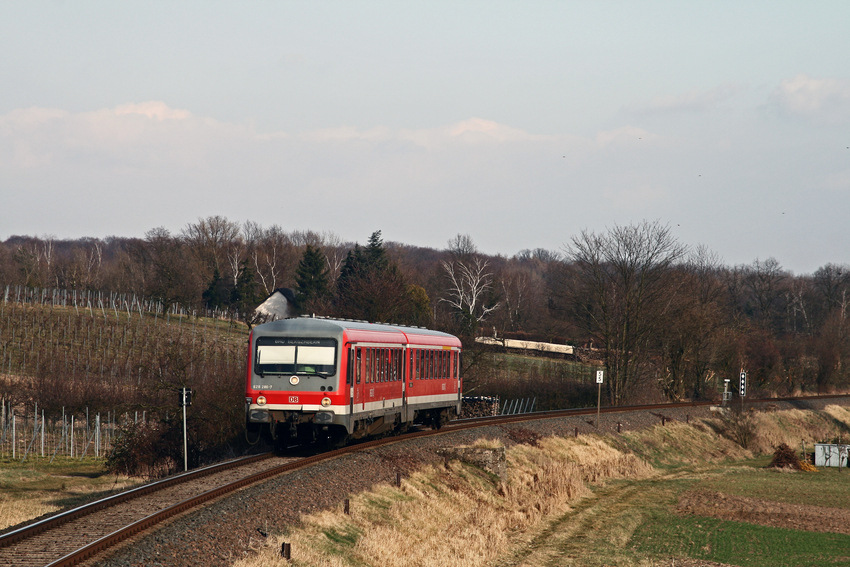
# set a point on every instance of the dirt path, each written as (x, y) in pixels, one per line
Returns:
(608, 517)
(766, 512)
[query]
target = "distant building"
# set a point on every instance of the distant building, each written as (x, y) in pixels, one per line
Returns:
(279, 305)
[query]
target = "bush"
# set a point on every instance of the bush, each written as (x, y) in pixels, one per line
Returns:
(740, 427)
(148, 450)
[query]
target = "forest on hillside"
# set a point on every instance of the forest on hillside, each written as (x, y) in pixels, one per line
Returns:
(667, 321)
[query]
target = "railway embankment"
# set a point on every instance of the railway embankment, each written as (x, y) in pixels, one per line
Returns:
(250, 525)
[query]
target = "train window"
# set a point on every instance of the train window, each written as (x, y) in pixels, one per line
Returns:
(359, 364)
(314, 359)
(383, 355)
(292, 355)
(367, 370)
(423, 364)
(454, 365)
(271, 358)
(442, 356)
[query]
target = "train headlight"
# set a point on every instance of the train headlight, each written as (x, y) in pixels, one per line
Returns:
(294, 380)
(326, 402)
(261, 401)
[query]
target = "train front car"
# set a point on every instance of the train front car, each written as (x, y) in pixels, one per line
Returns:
(295, 391)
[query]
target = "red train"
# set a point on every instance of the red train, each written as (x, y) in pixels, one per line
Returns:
(311, 379)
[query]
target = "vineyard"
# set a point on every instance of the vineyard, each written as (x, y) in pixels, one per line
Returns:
(76, 367)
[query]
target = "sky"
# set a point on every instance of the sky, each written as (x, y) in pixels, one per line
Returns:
(520, 124)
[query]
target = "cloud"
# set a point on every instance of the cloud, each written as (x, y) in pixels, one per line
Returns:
(133, 134)
(691, 101)
(153, 109)
(826, 100)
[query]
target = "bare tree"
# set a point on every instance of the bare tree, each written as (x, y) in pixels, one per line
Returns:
(470, 283)
(763, 280)
(618, 290)
(334, 250)
(209, 240)
(462, 247)
(692, 327)
(272, 254)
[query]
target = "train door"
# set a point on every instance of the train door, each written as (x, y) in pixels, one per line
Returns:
(404, 378)
(359, 379)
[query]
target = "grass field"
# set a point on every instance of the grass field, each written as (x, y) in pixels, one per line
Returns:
(30, 490)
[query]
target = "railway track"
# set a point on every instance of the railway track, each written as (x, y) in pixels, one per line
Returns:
(61, 539)
(79, 534)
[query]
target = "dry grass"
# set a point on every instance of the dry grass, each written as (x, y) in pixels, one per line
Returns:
(460, 515)
(487, 443)
(30, 490)
(677, 443)
(14, 511)
(791, 427)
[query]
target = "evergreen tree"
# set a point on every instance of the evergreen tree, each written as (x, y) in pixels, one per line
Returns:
(246, 294)
(217, 295)
(311, 278)
(371, 287)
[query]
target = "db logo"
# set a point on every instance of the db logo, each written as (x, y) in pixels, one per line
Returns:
(293, 399)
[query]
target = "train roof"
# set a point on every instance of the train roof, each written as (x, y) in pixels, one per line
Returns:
(357, 330)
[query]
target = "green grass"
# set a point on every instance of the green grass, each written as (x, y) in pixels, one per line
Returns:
(345, 537)
(664, 533)
(669, 535)
(827, 487)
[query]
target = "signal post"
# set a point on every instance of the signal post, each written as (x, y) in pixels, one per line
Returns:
(185, 400)
(600, 376)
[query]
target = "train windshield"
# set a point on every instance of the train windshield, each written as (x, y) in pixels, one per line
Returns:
(288, 355)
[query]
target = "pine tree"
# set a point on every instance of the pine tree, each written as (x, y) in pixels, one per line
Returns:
(216, 295)
(246, 294)
(311, 278)
(371, 287)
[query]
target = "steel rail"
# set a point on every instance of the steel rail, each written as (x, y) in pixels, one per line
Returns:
(86, 509)
(130, 530)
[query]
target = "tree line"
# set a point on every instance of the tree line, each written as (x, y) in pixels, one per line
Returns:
(665, 320)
